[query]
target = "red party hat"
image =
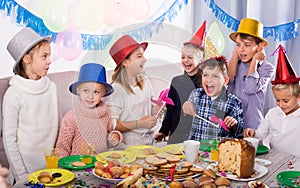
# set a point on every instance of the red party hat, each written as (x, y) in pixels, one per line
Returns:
(197, 39)
(285, 73)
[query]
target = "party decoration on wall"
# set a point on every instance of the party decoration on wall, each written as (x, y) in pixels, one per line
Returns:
(69, 43)
(280, 32)
(209, 49)
(216, 37)
(89, 41)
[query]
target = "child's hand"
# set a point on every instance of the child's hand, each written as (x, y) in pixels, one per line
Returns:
(159, 136)
(147, 122)
(249, 132)
(260, 55)
(230, 121)
(235, 55)
(188, 108)
(156, 109)
(115, 137)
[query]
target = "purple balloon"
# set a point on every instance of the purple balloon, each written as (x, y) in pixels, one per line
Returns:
(69, 43)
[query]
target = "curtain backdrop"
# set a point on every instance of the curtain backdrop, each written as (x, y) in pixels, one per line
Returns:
(271, 13)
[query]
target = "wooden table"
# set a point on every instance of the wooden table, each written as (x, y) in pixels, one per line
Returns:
(280, 162)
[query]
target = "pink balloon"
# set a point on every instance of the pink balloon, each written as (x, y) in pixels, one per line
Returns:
(69, 43)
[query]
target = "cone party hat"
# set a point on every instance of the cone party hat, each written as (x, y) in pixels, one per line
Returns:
(197, 39)
(285, 73)
(209, 49)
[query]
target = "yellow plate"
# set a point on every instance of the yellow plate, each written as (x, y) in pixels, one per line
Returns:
(174, 148)
(126, 157)
(66, 177)
(138, 151)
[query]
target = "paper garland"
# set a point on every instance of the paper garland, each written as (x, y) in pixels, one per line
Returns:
(22, 16)
(281, 32)
(89, 42)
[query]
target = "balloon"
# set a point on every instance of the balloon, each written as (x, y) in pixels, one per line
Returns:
(55, 15)
(69, 43)
(78, 13)
(94, 11)
(216, 37)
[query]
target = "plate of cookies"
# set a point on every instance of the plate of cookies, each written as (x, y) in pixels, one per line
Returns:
(77, 162)
(161, 167)
(119, 155)
(142, 151)
(51, 177)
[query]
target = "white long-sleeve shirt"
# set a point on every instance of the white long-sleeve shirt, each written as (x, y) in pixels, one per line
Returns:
(131, 107)
(284, 130)
(30, 123)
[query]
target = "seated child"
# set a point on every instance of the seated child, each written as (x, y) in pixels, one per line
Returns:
(89, 121)
(214, 99)
(281, 123)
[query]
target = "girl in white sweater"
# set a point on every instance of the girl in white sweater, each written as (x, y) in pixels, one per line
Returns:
(30, 105)
(130, 104)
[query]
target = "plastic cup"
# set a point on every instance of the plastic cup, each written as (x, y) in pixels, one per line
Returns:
(86, 152)
(214, 150)
(51, 157)
(191, 149)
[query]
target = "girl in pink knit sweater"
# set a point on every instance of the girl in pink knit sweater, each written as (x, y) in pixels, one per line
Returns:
(89, 121)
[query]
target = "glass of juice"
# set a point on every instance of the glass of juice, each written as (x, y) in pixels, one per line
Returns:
(51, 157)
(214, 150)
(87, 151)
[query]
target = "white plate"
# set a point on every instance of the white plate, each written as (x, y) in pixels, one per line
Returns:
(263, 162)
(250, 182)
(261, 171)
(114, 181)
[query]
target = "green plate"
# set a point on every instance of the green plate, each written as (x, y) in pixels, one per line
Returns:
(205, 145)
(66, 162)
(288, 178)
(261, 149)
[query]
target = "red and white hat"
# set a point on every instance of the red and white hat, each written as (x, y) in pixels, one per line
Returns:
(285, 73)
(197, 39)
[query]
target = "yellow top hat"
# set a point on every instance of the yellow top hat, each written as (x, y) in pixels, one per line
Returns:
(250, 27)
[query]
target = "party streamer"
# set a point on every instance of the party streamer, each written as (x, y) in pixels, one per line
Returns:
(281, 32)
(22, 16)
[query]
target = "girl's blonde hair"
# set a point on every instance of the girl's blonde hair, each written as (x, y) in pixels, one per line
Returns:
(294, 88)
(120, 76)
(19, 68)
(199, 55)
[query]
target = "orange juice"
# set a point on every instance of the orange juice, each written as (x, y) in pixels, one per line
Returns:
(86, 159)
(51, 161)
(214, 155)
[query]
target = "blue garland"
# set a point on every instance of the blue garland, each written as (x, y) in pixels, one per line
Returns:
(282, 32)
(89, 42)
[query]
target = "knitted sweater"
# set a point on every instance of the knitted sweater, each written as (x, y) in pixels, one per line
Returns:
(30, 123)
(84, 125)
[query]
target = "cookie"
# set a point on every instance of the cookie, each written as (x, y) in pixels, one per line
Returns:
(196, 170)
(159, 162)
(210, 173)
(78, 163)
(222, 181)
(162, 155)
(45, 177)
(173, 159)
(115, 155)
(148, 151)
(151, 159)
